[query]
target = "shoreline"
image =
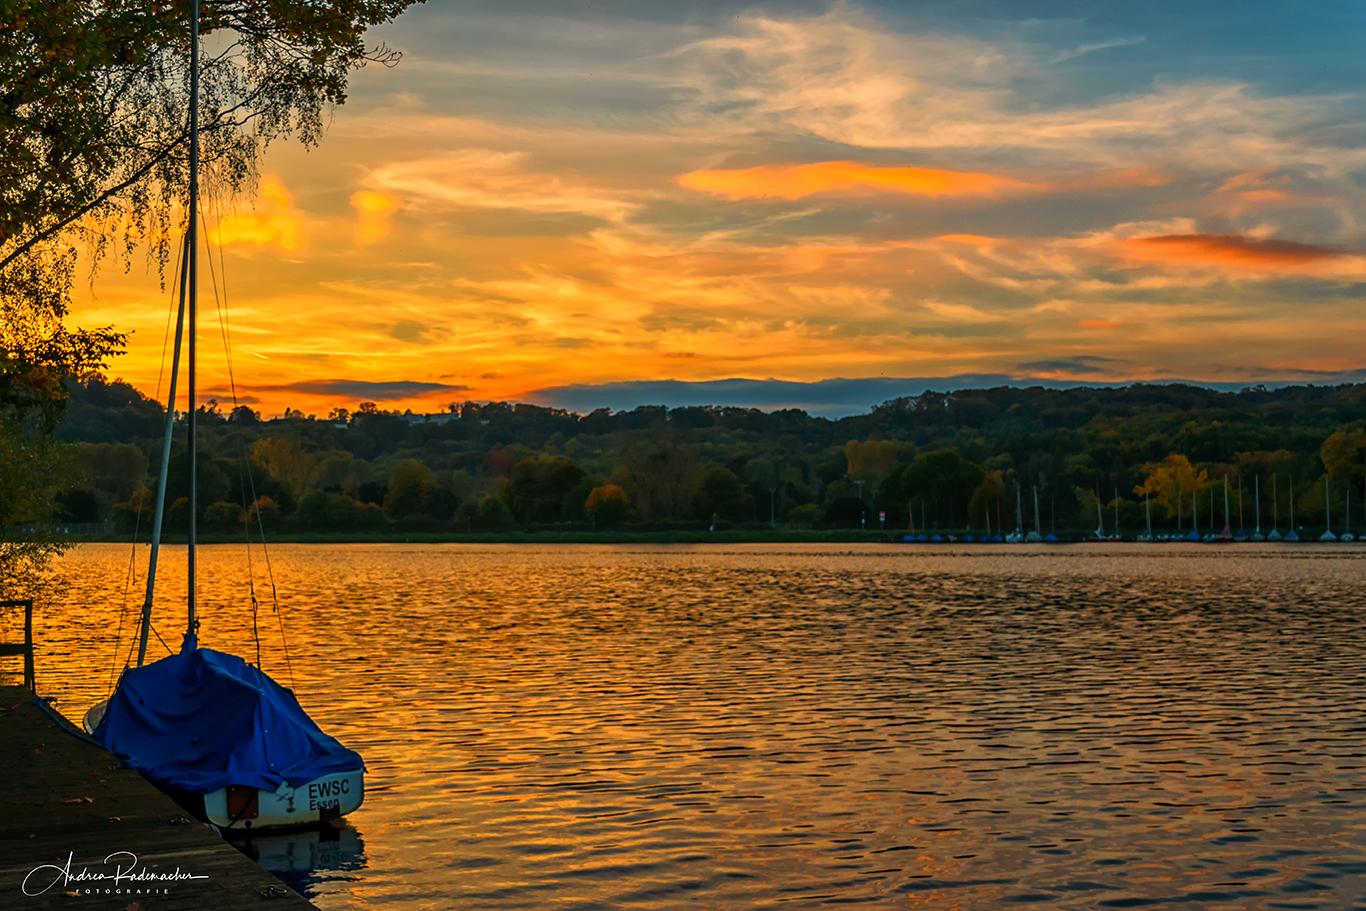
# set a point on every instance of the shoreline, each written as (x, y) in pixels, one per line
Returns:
(781, 536)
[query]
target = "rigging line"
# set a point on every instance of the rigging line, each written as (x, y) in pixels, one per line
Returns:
(137, 521)
(166, 333)
(251, 477)
(220, 303)
(169, 650)
(123, 613)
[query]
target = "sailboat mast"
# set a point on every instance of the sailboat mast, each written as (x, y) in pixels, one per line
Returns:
(193, 305)
(165, 469)
(1257, 498)
(1225, 504)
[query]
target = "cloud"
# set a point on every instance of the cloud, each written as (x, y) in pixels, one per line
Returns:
(407, 330)
(845, 78)
(365, 390)
(274, 223)
(1084, 364)
(1074, 53)
(489, 178)
(1229, 251)
(373, 211)
(796, 181)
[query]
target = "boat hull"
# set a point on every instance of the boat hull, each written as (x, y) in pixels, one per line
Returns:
(322, 799)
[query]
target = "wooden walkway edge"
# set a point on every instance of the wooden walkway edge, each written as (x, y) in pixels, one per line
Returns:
(62, 798)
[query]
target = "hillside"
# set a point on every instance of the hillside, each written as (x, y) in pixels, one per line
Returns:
(948, 461)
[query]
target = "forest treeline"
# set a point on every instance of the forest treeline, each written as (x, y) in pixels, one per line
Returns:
(938, 461)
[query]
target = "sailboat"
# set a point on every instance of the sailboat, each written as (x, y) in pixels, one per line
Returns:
(214, 732)
(1034, 537)
(1226, 535)
(1239, 535)
(1291, 535)
(1327, 512)
(1274, 535)
(1347, 535)
(1257, 498)
(1017, 536)
(1116, 536)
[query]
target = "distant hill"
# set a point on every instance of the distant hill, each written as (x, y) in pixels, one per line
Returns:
(697, 464)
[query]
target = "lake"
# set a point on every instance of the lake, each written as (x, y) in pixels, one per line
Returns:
(744, 726)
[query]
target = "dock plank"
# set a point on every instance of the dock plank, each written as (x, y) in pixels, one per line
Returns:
(61, 797)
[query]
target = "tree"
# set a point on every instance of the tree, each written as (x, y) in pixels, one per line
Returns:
(608, 505)
(661, 475)
(942, 479)
(287, 461)
(1172, 482)
(722, 494)
(1344, 455)
(987, 496)
(536, 488)
(37, 357)
(410, 487)
(764, 474)
(871, 460)
(93, 102)
(224, 516)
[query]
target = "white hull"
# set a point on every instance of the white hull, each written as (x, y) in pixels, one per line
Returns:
(328, 797)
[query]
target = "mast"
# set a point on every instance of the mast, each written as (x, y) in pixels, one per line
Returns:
(193, 258)
(1275, 505)
(1116, 512)
(1257, 496)
(165, 468)
(1226, 528)
(1038, 522)
(1148, 513)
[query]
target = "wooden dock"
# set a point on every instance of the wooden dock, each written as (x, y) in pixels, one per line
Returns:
(62, 797)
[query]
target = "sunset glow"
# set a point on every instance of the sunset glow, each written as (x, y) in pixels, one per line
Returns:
(532, 200)
(836, 176)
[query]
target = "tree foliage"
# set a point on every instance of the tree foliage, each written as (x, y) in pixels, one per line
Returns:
(94, 102)
(1172, 482)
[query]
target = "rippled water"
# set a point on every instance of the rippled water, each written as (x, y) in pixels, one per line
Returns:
(748, 726)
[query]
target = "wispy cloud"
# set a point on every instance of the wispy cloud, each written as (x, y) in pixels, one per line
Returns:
(796, 181)
(1073, 53)
(274, 223)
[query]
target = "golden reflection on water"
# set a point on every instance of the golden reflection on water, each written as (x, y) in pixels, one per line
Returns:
(733, 727)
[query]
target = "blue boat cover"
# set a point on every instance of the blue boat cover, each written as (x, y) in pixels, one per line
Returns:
(201, 720)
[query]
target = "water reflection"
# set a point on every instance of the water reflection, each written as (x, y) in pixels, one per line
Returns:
(309, 861)
(733, 727)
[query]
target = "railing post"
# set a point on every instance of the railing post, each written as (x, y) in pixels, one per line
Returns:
(30, 678)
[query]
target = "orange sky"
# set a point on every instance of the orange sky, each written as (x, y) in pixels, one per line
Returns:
(535, 200)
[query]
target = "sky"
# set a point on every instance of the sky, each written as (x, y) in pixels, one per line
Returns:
(605, 204)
